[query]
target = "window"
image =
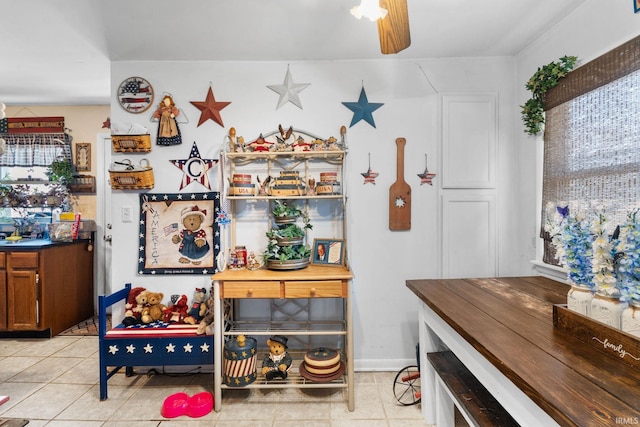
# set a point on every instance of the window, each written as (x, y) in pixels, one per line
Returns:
(592, 138)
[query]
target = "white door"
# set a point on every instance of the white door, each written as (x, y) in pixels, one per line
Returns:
(103, 217)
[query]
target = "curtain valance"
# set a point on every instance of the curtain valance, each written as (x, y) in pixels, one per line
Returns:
(35, 149)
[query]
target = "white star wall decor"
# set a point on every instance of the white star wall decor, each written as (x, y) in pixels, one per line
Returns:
(289, 91)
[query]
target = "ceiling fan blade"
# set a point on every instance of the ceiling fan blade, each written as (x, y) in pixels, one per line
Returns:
(394, 28)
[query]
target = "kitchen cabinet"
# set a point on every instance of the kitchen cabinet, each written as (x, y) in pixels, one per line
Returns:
(45, 287)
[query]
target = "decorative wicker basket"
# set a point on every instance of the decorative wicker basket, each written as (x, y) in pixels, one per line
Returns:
(131, 143)
(127, 176)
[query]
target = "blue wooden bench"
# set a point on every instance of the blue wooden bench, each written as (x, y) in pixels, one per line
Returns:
(128, 347)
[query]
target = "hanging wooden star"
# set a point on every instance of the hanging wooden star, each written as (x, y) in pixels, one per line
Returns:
(426, 177)
(370, 176)
(210, 108)
(195, 168)
(363, 109)
(289, 91)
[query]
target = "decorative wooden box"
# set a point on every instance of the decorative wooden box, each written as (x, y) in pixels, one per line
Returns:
(604, 338)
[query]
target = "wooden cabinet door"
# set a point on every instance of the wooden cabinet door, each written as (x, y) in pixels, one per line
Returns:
(3, 300)
(22, 299)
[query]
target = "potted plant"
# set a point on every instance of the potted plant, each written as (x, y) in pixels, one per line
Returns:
(286, 249)
(61, 171)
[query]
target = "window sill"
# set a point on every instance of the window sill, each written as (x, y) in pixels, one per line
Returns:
(550, 271)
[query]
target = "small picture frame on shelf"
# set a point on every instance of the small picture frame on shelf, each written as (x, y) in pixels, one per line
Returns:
(636, 6)
(329, 252)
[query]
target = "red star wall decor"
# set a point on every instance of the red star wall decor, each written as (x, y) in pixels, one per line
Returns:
(210, 108)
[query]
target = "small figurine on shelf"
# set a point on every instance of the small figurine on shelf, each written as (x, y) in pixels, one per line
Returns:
(260, 144)
(278, 362)
(263, 190)
(252, 262)
(168, 130)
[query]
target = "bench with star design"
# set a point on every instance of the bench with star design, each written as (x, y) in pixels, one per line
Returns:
(158, 344)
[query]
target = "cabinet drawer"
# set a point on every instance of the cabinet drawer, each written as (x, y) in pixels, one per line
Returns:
(23, 259)
(315, 289)
(250, 290)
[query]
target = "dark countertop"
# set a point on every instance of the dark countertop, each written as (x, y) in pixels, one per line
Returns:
(31, 244)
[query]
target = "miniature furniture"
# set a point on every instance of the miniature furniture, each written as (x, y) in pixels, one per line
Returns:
(45, 287)
(176, 344)
(502, 331)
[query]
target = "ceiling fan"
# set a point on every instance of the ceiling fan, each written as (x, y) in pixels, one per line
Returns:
(393, 29)
(393, 22)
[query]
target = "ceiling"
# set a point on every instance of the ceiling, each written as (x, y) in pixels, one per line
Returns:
(59, 51)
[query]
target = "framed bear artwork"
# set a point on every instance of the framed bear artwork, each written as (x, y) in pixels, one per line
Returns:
(178, 233)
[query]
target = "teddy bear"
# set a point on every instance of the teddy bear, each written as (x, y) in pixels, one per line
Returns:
(198, 307)
(192, 238)
(278, 362)
(154, 309)
(136, 301)
(206, 324)
(176, 312)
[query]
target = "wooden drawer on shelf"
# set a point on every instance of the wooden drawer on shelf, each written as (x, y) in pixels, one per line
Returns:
(250, 289)
(315, 289)
(23, 260)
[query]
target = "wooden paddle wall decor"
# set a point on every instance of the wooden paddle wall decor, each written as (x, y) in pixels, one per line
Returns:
(400, 195)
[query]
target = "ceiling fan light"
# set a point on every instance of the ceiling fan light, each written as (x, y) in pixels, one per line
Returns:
(369, 9)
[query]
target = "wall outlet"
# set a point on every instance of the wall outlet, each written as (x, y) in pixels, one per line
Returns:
(126, 214)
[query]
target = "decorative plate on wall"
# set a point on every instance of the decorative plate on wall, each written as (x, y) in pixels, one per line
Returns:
(135, 94)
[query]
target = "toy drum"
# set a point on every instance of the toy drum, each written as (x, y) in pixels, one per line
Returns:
(240, 354)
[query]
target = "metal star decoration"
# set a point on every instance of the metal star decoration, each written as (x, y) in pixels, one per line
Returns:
(426, 177)
(195, 168)
(370, 176)
(289, 91)
(210, 108)
(363, 109)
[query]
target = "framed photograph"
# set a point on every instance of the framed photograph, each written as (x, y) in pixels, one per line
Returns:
(178, 233)
(328, 252)
(83, 156)
(636, 6)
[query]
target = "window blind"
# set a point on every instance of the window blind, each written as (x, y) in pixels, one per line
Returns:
(592, 138)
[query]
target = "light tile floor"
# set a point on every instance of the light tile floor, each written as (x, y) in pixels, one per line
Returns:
(54, 383)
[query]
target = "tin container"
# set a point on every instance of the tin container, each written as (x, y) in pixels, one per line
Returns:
(241, 255)
(328, 177)
(240, 361)
(327, 188)
(241, 178)
(242, 189)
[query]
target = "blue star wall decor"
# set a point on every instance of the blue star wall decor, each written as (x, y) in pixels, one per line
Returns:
(195, 168)
(289, 91)
(363, 109)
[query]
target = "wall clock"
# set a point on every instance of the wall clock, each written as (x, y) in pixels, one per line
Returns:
(135, 94)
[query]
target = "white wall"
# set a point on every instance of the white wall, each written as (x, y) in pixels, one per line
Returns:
(385, 312)
(592, 29)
